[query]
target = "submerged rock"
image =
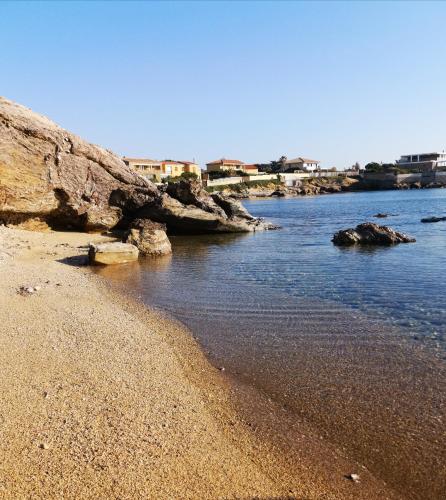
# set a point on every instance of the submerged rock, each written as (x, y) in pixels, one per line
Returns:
(370, 234)
(433, 219)
(150, 237)
(381, 215)
(112, 253)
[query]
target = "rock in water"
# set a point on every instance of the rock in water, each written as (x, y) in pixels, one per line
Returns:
(150, 237)
(48, 175)
(112, 253)
(370, 234)
(433, 219)
(231, 207)
(186, 207)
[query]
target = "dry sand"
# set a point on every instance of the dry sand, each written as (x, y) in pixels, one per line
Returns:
(100, 398)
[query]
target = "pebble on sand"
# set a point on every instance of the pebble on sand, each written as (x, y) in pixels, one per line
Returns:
(354, 477)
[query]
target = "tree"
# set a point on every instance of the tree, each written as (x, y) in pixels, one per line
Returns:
(374, 167)
(185, 176)
(278, 165)
(388, 166)
(219, 174)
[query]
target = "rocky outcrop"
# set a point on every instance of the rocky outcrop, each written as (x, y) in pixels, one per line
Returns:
(191, 193)
(112, 253)
(54, 177)
(149, 237)
(370, 234)
(433, 219)
(186, 207)
(231, 207)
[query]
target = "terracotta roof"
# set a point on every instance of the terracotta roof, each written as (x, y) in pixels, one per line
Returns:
(301, 160)
(221, 161)
(187, 162)
(250, 167)
(126, 158)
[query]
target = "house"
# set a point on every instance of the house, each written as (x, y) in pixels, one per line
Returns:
(250, 169)
(304, 164)
(224, 164)
(157, 170)
(423, 161)
(192, 168)
(232, 165)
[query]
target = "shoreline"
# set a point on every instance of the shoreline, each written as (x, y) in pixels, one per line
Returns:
(93, 385)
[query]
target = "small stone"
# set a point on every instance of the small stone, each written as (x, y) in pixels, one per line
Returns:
(354, 477)
(44, 446)
(37, 288)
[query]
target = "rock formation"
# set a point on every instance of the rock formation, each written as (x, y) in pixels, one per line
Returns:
(50, 177)
(186, 207)
(370, 234)
(231, 207)
(150, 237)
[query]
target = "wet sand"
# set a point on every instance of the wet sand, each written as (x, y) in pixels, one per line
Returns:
(100, 398)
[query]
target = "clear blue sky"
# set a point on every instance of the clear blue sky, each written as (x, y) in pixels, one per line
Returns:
(338, 82)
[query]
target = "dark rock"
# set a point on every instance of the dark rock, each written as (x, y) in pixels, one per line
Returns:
(280, 193)
(433, 219)
(370, 234)
(381, 216)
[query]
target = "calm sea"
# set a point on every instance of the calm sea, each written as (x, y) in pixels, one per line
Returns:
(262, 277)
(350, 339)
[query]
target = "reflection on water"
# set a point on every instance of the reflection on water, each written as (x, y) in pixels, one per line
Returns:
(326, 330)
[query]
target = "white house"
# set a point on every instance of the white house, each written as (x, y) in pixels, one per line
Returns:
(304, 164)
(423, 161)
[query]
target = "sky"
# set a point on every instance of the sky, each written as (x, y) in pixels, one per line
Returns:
(338, 82)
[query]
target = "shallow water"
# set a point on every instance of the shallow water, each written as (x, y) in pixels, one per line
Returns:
(351, 340)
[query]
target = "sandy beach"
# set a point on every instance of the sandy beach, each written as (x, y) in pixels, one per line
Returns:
(101, 398)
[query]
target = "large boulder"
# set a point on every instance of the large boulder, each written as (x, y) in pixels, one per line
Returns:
(150, 237)
(112, 253)
(50, 175)
(370, 234)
